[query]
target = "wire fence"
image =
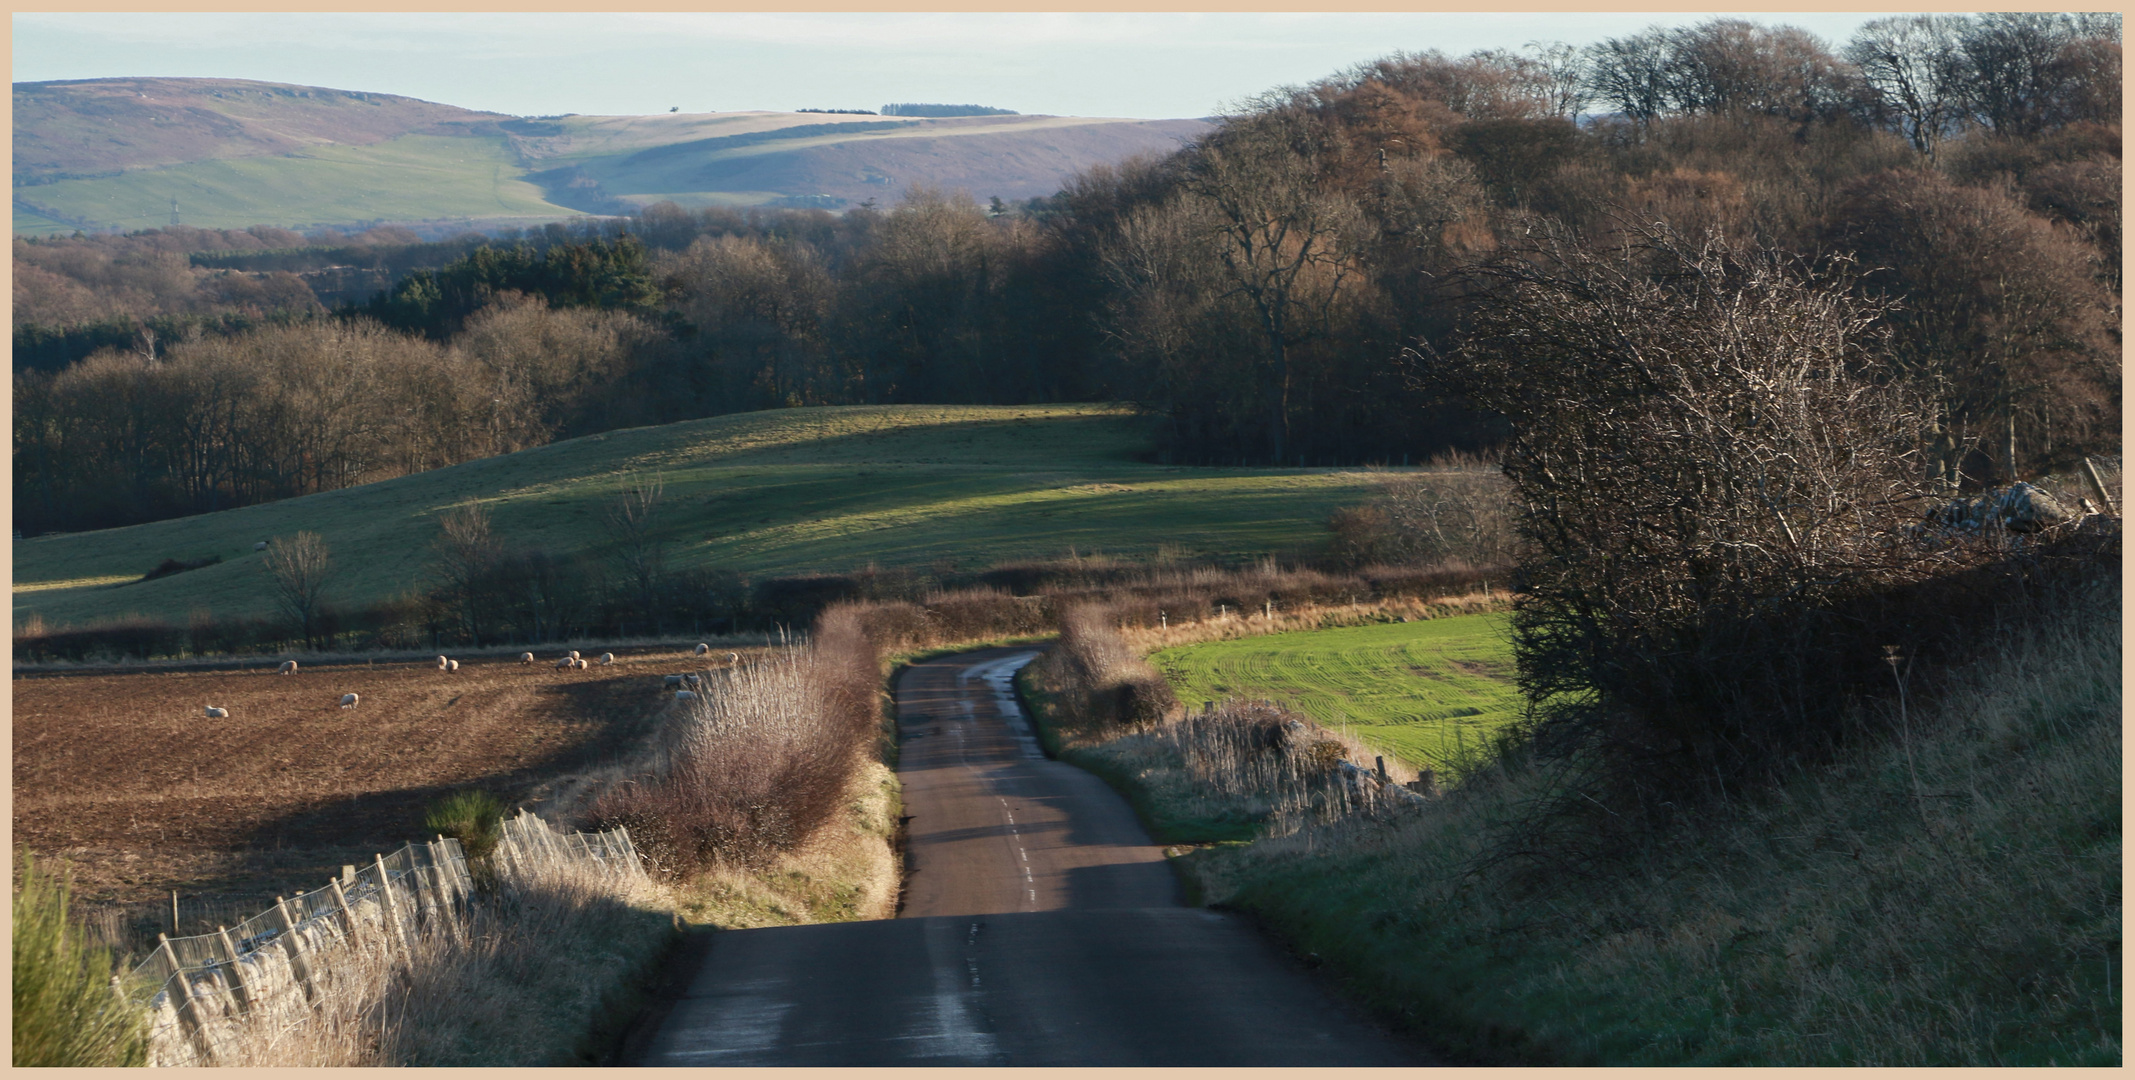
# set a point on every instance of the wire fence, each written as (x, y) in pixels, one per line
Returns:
(199, 988)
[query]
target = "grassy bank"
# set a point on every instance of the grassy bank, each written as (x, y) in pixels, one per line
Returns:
(1948, 898)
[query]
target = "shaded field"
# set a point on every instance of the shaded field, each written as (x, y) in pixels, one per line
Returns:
(123, 777)
(783, 492)
(1427, 691)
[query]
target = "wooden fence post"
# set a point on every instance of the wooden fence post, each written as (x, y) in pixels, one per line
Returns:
(348, 916)
(391, 905)
(2105, 497)
(298, 966)
(241, 994)
(188, 1013)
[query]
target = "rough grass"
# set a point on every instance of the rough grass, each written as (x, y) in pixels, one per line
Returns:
(1948, 899)
(66, 1012)
(1430, 692)
(773, 493)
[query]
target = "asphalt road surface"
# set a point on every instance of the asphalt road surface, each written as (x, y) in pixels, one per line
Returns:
(1040, 927)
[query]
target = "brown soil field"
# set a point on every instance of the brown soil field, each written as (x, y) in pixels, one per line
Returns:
(122, 776)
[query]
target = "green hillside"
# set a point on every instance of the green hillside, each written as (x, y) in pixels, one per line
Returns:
(1422, 691)
(413, 177)
(774, 493)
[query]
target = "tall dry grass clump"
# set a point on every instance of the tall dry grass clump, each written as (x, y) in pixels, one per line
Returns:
(761, 759)
(1098, 681)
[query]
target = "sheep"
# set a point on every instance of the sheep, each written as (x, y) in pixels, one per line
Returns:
(692, 678)
(574, 654)
(348, 701)
(701, 650)
(289, 667)
(454, 666)
(444, 664)
(565, 662)
(672, 680)
(526, 658)
(580, 664)
(607, 658)
(733, 658)
(217, 712)
(261, 546)
(684, 695)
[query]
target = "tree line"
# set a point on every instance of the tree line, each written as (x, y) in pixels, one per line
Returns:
(1263, 291)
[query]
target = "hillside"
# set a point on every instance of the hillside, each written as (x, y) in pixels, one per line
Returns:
(773, 493)
(113, 153)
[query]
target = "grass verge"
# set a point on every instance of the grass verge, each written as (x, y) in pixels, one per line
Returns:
(1947, 898)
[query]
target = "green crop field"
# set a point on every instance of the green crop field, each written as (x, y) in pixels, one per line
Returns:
(415, 177)
(1421, 691)
(788, 491)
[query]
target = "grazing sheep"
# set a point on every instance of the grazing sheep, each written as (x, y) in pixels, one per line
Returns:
(348, 701)
(217, 712)
(580, 664)
(526, 658)
(574, 654)
(607, 658)
(444, 664)
(684, 695)
(701, 650)
(693, 678)
(733, 658)
(454, 666)
(289, 667)
(565, 662)
(672, 680)
(261, 546)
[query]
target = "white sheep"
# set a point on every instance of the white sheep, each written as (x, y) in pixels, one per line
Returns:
(607, 658)
(574, 654)
(289, 667)
(672, 680)
(348, 701)
(217, 712)
(684, 695)
(733, 658)
(693, 678)
(701, 650)
(454, 665)
(565, 662)
(526, 658)
(261, 546)
(580, 664)
(444, 664)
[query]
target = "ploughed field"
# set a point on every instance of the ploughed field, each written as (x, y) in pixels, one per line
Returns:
(123, 777)
(1429, 692)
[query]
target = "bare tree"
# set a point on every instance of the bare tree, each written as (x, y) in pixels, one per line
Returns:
(1914, 65)
(467, 553)
(633, 518)
(301, 567)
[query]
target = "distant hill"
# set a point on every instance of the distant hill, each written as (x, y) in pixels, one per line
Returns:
(113, 153)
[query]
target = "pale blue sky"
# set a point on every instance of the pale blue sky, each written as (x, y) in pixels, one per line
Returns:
(1079, 64)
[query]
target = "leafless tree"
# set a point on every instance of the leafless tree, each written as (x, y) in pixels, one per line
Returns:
(1914, 65)
(467, 552)
(300, 568)
(633, 520)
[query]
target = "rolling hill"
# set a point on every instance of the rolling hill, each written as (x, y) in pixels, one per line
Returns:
(113, 153)
(784, 492)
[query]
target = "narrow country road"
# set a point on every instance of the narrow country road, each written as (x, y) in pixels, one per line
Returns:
(1040, 927)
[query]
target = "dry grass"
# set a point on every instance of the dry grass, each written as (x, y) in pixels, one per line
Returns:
(1950, 897)
(522, 979)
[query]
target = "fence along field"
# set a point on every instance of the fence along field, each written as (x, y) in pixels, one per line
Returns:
(209, 994)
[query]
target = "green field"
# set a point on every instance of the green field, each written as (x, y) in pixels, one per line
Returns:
(783, 492)
(415, 177)
(1422, 691)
